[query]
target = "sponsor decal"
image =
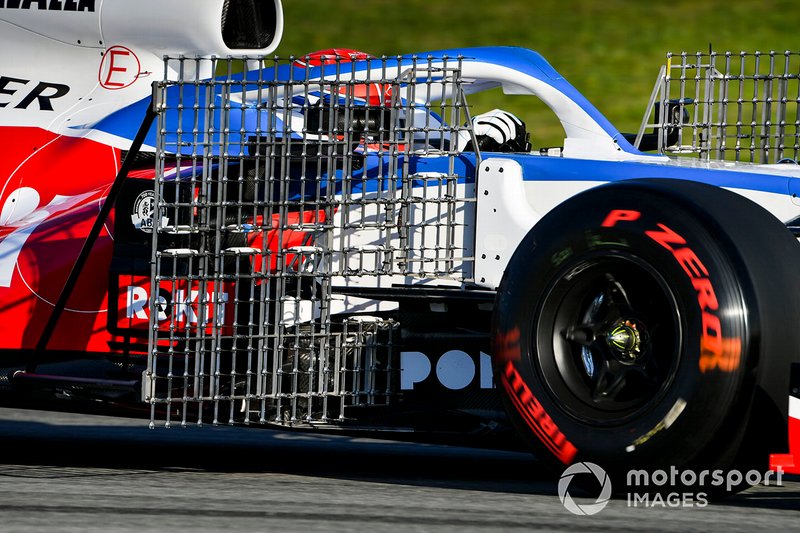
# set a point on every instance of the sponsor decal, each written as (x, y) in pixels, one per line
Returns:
(143, 207)
(178, 305)
(50, 5)
(455, 370)
(43, 93)
(535, 416)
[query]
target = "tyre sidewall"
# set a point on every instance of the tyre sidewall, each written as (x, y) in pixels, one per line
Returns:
(681, 421)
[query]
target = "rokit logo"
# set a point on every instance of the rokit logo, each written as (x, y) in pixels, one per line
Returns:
(181, 305)
(454, 370)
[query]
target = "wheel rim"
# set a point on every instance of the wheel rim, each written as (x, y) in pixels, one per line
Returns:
(608, 338)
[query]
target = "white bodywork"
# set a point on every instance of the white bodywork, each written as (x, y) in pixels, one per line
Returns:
(105, 52)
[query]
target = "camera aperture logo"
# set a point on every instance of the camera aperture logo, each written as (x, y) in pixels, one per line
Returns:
(586, 508)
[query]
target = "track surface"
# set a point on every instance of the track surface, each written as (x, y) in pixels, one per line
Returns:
(66, 472)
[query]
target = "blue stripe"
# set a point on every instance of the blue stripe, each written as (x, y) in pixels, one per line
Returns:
(542, 168)
(124, 123)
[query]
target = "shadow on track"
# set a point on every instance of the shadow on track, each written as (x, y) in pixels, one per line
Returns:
(47, 444)
(64, 440)
(778, 499)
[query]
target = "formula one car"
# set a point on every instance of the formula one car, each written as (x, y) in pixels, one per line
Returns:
(334, 242)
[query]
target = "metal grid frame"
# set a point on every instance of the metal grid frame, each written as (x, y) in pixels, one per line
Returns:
(740, 106)
(276, 181)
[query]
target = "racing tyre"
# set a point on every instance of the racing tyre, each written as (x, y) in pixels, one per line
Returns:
(650, 324)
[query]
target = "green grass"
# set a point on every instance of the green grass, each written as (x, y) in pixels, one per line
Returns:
(610, 50)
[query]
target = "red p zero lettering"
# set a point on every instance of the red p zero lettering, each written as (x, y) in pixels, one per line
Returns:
(535, 416)
(716, 352)
(690, 263)
(620, 215)
(705, 294)
(508, 344)
(665, 237)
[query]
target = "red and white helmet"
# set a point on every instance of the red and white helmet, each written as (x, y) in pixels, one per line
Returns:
(373, 94)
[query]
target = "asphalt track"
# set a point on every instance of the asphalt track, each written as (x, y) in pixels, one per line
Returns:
(67, 472)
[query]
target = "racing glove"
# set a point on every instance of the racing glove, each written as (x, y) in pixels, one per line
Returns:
(497, 131)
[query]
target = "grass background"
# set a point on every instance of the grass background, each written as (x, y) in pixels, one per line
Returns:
(610, 50)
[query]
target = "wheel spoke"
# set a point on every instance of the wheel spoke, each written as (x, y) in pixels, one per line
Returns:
(609, 387)
(618, 303)
(613, 377)
(649, 371)
(582, 334)
(607, 382)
